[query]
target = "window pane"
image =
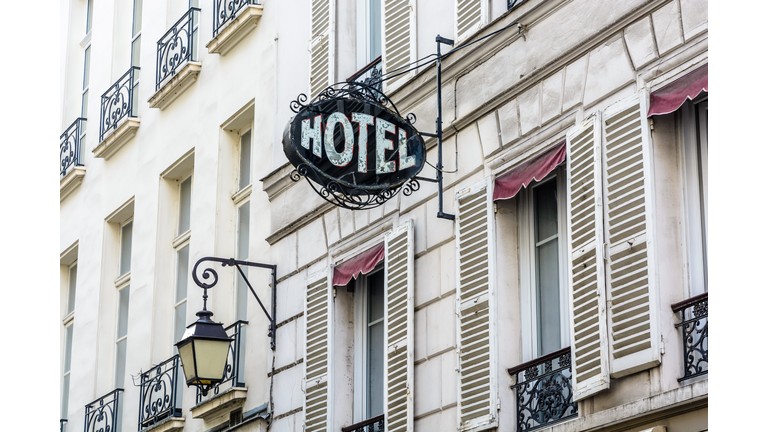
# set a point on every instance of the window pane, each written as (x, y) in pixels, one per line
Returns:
(243, 230)
(122, 346)
(68, 348)
(376, 296)
(122, 311)
(182, 266)
(126, 238)
(136, 52)
(375, 28)
(545, 210)
(72, 288)
(548, 298)
(137, 8)
(245, 159)
(89, 17)
(185, 203)
(180, 321)
(65, 397)
(375, 373)
(87, 68)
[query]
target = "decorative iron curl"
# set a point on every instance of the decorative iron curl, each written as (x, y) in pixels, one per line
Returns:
(209, 272)
(300, 103)
(354, 89)
(410, 187)
(411, 117)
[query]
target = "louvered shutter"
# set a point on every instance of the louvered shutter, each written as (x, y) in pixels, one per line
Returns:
(476, 308)
(398, 50)
(633, 313)
(398, 399)
(318, 312)
(321, 46)
(470, 15)
(586, 272)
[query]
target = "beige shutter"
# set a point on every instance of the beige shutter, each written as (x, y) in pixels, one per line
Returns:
(399, 40)
(398, 330)
(586, 271)
(317, 373)
(476, 308)
(471, 15)
(321, 46)
(633, 313)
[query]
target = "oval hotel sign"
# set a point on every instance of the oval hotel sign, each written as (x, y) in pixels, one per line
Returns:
(353, 146)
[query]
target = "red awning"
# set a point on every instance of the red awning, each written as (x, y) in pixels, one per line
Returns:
(363, 263)
(672, 96)
(509, 184)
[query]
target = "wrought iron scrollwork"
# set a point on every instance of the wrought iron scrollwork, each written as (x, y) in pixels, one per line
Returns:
(71, 146)
(177, 47)
(351, 89)
(233, 373)
(117, 103)
(102, 415)
(694, 313)
(544, 392)
(373, 424)
(158, 395)
(225, 11)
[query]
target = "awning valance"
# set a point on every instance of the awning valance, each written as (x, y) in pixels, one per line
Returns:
(509, 184)
(363, 263)
(672, 96)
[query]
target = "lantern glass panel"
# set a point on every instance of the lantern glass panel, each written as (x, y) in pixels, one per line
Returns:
(211, 358)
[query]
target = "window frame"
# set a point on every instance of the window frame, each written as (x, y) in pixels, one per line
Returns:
(363, 15)
(119, 287)
(528, 302)
(70, 314)
(361, 324)
(181, 241)
(123, 278)
(237, 299)
(243, 131)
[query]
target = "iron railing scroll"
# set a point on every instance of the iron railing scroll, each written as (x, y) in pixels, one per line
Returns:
(70, 149)
(225, 11)
(119, 102)
(233, 373)
(544, 392)
(177, 47)
(370, 75)
(103, 414)
(159, 393)
(694, 322)
(373, 424)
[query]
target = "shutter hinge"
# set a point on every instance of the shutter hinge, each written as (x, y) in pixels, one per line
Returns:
(334, 293)
(605, 252)
(495, 208)
(498, 404)
(650, 123)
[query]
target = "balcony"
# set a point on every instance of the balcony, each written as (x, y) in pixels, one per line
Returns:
(230, 394)
(544, 392)
(104, 414)
(119, 120)
(71, 166)
(177, 60)
(232, 21)
(160, 397)
(374, 424)
(370, 75)
(694, 321)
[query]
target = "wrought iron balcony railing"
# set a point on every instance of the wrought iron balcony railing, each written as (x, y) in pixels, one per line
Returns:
(513, 3)
(373, 424)
(159, 396)
(233, 373)
(177, 47)
(62, 423)
(544, 392)
(370, 75)
(103, 414)
(694, 321)
(224, 11)
(70, 149)
(119, 102)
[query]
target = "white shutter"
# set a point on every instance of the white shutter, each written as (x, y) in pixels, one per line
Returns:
(470, 16)
(633, 313)
(398, 48)
(321, 45)
(476, 308)
(318, 312)
(586, 266)
(398, 329)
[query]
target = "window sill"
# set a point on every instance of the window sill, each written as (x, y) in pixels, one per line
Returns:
(216, 410)
(71, 181)
(178, 241)
(174, 87)
(170, 424)
(117, 139)
(236, 30)
(242, 194)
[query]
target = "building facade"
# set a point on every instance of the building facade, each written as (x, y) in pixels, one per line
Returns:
(569, 293)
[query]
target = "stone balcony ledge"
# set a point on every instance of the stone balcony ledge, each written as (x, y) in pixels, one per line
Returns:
(175, 86)
(71, 181)
(117, 139)
(236, 30)
(219, 406)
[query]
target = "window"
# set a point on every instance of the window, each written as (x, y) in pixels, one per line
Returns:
(695, 163)
(136, 48)
(181, 246)
(544, 287)
(195, 22)
(121, 337)
(89, 17)
(126, 238)
(71, 288)
(368, 31)
(245, 160)
(69, 334)
(369, 345)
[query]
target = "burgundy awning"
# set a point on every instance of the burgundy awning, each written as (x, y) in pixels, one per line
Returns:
(509, 184)
(672, 96)
(363, 263)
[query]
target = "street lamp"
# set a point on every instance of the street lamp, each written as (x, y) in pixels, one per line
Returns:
(204, 347)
